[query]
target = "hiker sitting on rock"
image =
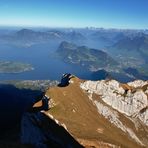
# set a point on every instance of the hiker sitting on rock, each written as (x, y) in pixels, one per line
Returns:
(65, 79)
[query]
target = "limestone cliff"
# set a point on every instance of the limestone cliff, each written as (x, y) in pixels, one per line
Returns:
(121, 103)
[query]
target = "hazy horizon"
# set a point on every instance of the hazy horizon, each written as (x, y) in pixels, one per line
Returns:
(64, 27)
(74, 13)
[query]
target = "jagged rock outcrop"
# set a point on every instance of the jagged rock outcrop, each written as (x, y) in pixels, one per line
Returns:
(129, 101)
(115, 100)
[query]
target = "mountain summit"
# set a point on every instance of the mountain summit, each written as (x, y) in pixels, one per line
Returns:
(102, 113)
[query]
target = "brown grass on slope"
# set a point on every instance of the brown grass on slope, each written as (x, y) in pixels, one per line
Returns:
(76, 111)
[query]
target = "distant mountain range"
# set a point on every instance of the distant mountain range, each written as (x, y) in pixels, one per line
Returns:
(96, 38)
(132, 47)
(29, 37)
(111, 50)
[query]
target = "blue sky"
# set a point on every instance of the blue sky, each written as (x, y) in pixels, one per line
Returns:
(75, 13)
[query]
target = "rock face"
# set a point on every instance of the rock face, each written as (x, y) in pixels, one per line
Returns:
(115, 100)
(126, 101)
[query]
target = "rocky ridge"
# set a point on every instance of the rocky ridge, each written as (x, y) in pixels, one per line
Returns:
(115, 99)
(102, 113)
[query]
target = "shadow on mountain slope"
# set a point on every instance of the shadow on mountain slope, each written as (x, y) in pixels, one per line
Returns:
(13, 102)
(40, 131)
(20, 127)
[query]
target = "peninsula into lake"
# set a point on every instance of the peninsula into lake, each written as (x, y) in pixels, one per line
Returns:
(14, 67)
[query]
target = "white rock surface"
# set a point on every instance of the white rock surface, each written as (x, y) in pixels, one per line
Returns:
(126, 102)
(112, 116)
(137, 83)
(114, 99)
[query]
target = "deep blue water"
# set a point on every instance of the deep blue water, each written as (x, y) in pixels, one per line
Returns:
(42, 59)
